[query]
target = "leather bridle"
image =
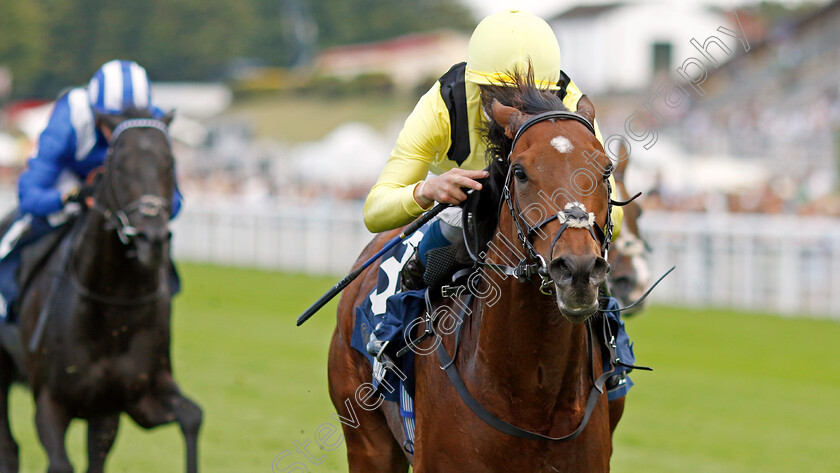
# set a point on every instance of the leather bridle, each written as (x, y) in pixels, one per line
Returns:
(574, 215)
(148, 205)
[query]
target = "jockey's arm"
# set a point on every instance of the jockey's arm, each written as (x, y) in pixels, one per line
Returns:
(177, 200)
(56, 146)
(391, 203)
(177, 197)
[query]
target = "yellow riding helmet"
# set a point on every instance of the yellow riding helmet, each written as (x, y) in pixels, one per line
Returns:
(504, 42)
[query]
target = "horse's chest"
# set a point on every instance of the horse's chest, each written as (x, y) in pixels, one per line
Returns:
(105, 384)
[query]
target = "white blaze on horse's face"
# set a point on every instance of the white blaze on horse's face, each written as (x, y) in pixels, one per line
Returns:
(562, 144)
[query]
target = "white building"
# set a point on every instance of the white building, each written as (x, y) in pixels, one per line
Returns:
(623, 47)
(410, 61)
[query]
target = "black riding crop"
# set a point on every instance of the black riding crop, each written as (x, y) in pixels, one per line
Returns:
(350, 277)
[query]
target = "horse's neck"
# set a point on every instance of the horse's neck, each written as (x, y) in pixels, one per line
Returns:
(525, 346)
(101, 262)
(522, 346)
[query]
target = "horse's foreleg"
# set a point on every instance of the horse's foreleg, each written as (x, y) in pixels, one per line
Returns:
(616, 409)
(102, 431)
(189, 416)
(8, 446)
(169, 405)
(52, 420)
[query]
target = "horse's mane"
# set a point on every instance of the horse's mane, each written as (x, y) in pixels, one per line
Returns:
(482, 208)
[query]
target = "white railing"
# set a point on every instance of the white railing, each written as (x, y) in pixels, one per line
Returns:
(782, 264)
(314, 238)
(8, 201)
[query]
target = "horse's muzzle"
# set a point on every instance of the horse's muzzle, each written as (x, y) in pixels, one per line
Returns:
(151, 246)
(577, 279)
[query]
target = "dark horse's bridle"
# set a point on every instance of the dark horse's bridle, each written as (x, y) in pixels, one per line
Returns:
(147, 205)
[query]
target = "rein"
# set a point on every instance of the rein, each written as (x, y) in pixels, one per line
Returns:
(448, 365)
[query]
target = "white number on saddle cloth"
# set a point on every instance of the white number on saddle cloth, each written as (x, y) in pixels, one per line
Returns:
(392, 267)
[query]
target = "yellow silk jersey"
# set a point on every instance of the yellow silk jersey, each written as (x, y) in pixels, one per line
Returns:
(421, 149)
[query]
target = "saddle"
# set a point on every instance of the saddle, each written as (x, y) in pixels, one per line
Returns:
(441, 264)
(34, 256)
(31, 251)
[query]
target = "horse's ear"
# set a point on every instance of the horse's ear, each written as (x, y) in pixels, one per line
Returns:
(107, 122)
(507, 117)
(586, 109)
(167, 119)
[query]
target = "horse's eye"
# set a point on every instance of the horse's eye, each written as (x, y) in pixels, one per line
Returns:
(519, 174)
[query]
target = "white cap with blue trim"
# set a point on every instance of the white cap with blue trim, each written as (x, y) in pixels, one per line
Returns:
(119, 85)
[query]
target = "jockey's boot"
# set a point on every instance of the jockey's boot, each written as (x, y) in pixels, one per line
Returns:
(411, 275)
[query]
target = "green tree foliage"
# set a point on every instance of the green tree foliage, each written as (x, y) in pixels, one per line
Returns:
(346, 22)
(53, 44)
(22, 42)
(183, 39)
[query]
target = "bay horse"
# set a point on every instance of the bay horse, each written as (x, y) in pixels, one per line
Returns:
(95, 320)
(629, 271)
(526, 361)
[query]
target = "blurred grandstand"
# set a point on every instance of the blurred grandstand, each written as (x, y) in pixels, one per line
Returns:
(776, 107)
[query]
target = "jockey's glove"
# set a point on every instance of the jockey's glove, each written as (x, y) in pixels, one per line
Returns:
(78, 194)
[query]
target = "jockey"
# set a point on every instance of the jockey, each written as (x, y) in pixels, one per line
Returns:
(71, 146)
(436, 160)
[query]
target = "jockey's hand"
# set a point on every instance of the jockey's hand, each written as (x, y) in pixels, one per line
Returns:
(449, 187)
(78, 194)
(70, 196)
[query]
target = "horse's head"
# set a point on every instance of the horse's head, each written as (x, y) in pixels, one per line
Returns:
(629, 275)
(552, 171)
(138, 183)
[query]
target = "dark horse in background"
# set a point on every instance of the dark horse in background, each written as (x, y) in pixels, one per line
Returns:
(529, 357)
(629, 271)
(105, 346)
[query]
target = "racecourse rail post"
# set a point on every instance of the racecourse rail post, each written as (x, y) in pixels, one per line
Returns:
(350, 277)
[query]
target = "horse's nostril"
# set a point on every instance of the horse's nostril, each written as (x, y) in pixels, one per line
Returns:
(154, 239)
(561, 270)
(573, 269)
(599, 271)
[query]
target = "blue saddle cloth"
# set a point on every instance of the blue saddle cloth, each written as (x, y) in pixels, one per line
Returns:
(10, 258)
(623, 351)
(387, 312)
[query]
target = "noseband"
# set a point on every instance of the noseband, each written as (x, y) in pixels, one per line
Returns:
(147, 205)
(574, 215)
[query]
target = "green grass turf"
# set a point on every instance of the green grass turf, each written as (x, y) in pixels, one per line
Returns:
(731, 392)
